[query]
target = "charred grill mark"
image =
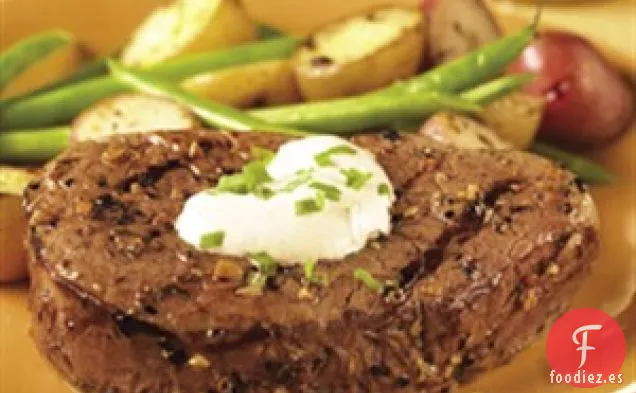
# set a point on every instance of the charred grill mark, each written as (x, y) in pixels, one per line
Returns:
(426, 264)
(280, 371)
(102, 182)
(37, 245)
(498, 190)
(150, 309)
(130, 326)
(321, 360)
(379, 370)
(108, 208)
(174, 290)
(391, 134)
(149, 177)
(172, 348)
(232, 383)
(397, 218)
(402, 381)
(516, 295)
(225, 341)
(463, 372)
(561, 243)
(469, 222)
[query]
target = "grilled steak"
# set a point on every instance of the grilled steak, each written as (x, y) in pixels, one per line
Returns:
(486, 248)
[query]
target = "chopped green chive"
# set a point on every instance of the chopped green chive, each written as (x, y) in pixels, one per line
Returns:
(310, 265)
(257, 282)
(368, 280)
(212, 239)
(331, 192)
(310, 205)
(264, 263)
(310, 274)
(356, 179)
(301, 177)
(383, 189)
(324, 158)
(253, 175)
(266, 267)
(263, 192)
(234, 184)
(262, 154)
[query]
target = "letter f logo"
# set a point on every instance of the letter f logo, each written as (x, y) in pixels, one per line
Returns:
(583, 344)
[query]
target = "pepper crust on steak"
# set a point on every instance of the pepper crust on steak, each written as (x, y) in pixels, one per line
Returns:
(487, 248)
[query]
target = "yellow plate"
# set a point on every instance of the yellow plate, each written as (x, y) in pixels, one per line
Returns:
(104, 25)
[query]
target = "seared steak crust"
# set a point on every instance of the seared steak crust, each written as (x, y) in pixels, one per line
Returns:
(486, 248)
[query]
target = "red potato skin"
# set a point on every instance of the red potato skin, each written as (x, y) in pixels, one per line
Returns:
(588, 102)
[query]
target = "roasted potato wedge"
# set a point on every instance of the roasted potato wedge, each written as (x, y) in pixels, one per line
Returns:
(461, 132)
(188, 26)
(457, 27)
(361, 53)
(130, 113)
(516, 118)
(14, 180)
(12, 223)
(265, 83)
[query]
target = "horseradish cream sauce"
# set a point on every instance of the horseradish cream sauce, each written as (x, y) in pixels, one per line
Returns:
(319, 197)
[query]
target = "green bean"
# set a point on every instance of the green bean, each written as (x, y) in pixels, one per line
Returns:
(39, 145)
(57, 106)
(466, 72)
(365, 112)
(89, 70)
(32, 145)
(497, 88)
(27, 52)
(585, 169)
(480, 95)
(61, 105)
(470, 70)
(185, 66)
(19, 145)
(212, 113)
(348, 114)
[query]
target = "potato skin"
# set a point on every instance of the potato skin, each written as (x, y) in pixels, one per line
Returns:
(457, 27)
(516, 118)
(126, 113)
(461, 132)
(13, 255)
(265, 83)
(157, 40)
(14, 180)
(319, 78)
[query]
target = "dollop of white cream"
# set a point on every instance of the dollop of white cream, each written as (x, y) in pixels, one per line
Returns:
(251, 224)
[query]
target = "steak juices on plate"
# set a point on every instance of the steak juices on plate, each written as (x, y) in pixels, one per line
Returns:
(486, 248)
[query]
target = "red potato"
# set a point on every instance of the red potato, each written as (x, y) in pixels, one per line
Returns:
(588, 102)
(457, 27)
